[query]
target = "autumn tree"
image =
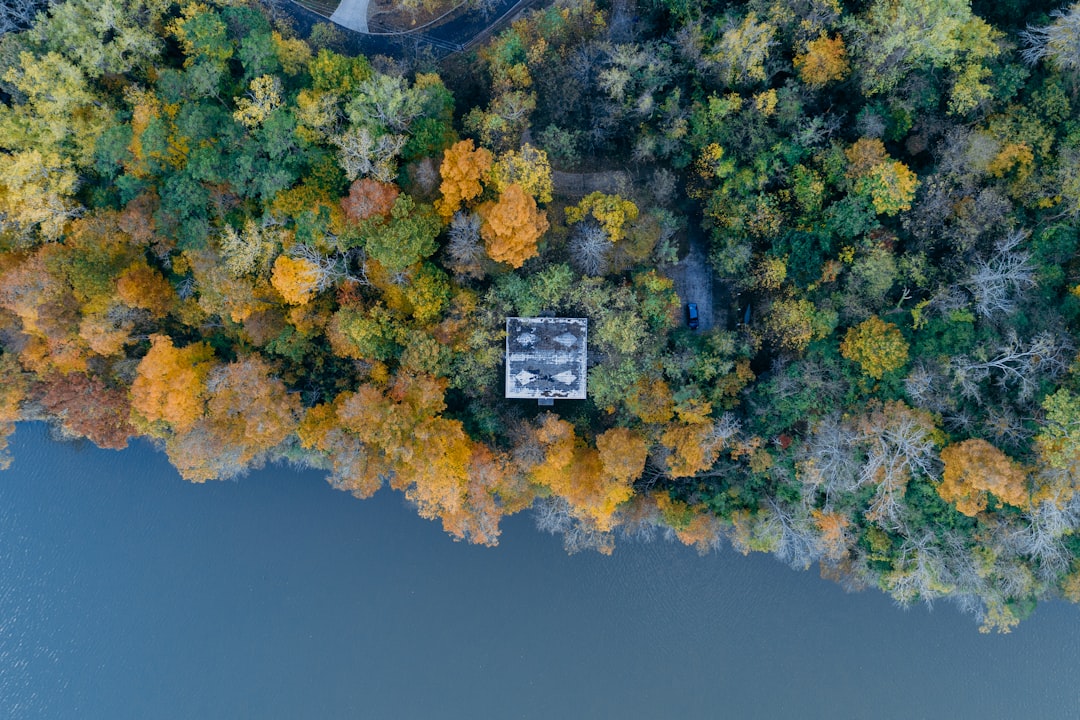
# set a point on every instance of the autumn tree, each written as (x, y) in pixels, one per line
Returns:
(463, 168)
(86, 407)
(527, 167)
(578, 473)
(141, 286)
(512, 226)
(612, 212)
(824, 61)
(888, 183)
(296, 279)
(877, 346)
(973, 469)
(169, 390)
(622, 453)
(368, 198)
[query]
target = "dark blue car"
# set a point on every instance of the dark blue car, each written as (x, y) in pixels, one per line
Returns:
(692, 316)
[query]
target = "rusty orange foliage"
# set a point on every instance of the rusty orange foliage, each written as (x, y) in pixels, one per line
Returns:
(368, 198)
(824, 61)
(143, 287)
(87, 407)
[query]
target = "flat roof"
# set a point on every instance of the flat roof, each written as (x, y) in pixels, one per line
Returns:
(546, 357)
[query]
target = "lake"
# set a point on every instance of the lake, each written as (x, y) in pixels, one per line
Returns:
(128, 593)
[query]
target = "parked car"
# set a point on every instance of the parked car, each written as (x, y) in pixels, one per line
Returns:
(692, 320)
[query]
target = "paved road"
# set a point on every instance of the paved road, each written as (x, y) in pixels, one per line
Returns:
(449, 37)
(696, 282)
(352, 14)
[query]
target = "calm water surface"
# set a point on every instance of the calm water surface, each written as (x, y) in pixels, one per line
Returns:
(127, 593)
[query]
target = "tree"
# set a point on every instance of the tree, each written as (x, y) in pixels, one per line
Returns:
(877, 346)
(695, 446)
(368, 198)
(170, 386)
(527, 167)
(577, 473)
(889, 184)
(87, 407)
(263, 97)
(590, 248)
(512, 226)
(1016, 362)
(296, 279)
(12, 394)
(999, 282)
(36, 193)
(974, 468)
(742, 51)
(1058, 440)
(405, 238)
(141, 286)
(248, 413)
(824, 61)
(895, 37)
(16, 15)
(362, 152)
(464, 245)
(1058, 42)
(623, 453)
(898, 442)
(463, 168)
(611, 211)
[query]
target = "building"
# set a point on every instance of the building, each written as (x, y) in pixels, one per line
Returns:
(546, 358)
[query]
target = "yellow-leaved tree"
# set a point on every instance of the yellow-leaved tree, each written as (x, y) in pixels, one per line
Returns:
(296, 279)
(824, 61)
(877, 346)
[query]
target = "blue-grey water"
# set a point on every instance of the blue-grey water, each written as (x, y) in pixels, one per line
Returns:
(128, 593)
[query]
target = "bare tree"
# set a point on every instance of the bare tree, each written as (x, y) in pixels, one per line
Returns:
(1042, 533)
(590, 248)
(829, 459)
(918, 572)
(1059, 41)
(464, 245)
(1016, 363)
(997, 283)
(361, 153)
(16, 15)
(798, 540)
(899, 443)
(555, 515)
(329, 268)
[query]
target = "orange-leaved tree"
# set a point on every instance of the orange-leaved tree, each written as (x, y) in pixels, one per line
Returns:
(249, 412)
(824, 61)
(578, 474)
(169, 391)
(87, 407)
(463, 167)
(368, 198)
(974, 468)
(512, 226)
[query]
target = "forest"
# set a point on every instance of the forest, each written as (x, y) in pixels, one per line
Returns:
(246, 243)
